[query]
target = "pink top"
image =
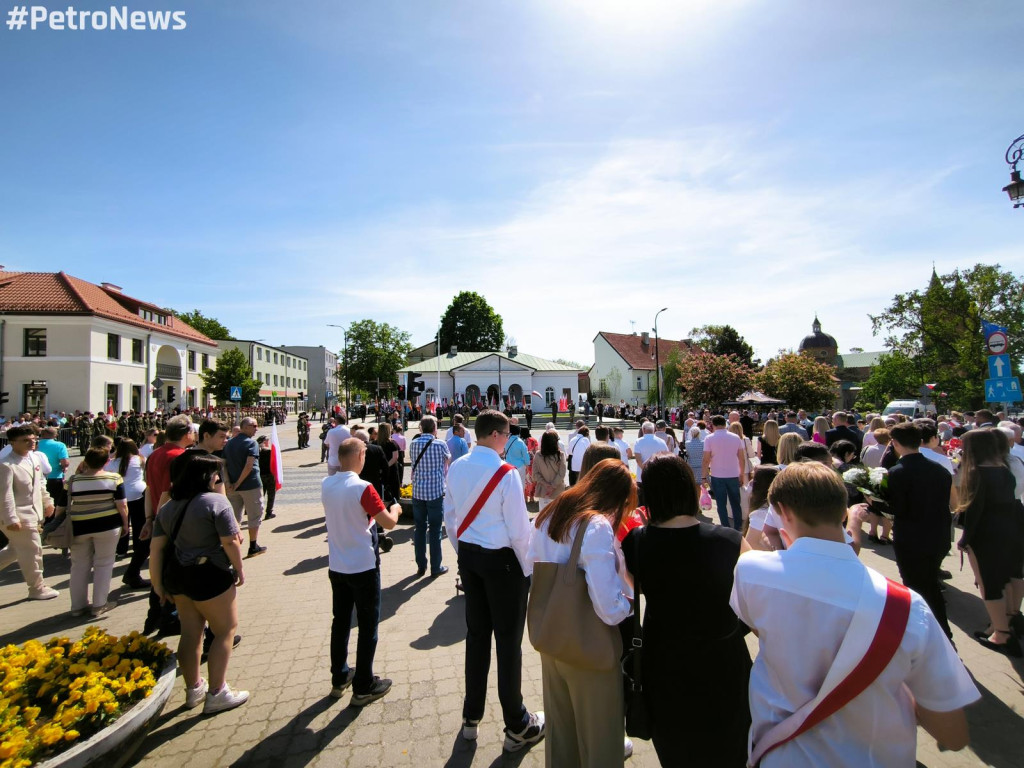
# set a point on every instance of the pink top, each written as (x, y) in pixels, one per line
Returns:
(723, 446)
(818, 438)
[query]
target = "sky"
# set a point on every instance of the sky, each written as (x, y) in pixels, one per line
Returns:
(580, 163)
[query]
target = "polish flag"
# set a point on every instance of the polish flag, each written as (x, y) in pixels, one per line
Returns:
(276, 465)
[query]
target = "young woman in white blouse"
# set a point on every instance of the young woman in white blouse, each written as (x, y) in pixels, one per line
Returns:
(584, 708)
(130, 465)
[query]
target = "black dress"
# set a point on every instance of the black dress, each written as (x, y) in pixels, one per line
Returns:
(994, 529)
(696, 666)
(769, 453)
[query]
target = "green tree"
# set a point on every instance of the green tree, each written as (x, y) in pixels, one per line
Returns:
(471, 324)
(232, 370)
(375, 352)
(208, 326)
(707, 379)
(939, 328)
(724, 340)
(894, 377)
(671, 370)
(799, 380)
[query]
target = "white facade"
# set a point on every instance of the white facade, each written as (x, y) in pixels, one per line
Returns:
(283, 374)
(90, 363)
(611, 374)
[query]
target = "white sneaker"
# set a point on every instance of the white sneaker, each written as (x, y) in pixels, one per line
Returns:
(628, 748)
(531, 734)
(46, 593)
(194, 696)
(470, 729)
(224, 699)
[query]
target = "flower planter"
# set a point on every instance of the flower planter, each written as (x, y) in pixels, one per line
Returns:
(114, 745)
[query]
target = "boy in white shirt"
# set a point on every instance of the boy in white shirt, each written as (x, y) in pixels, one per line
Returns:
(818, 609)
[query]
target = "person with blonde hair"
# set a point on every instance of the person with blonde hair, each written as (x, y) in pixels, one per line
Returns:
(788, 443)
(821, 426)
(768, 443)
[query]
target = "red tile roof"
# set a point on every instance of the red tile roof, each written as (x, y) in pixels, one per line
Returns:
(58, 293)
(639, 357)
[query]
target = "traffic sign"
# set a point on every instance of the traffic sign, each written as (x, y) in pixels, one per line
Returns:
(328, 393)
(1003, 390)
(997, 343)
(999, 366)
(236, 393)
(157, 382)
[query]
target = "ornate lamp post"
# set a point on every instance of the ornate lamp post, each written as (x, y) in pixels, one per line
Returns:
(657, 361)
(1015, 189)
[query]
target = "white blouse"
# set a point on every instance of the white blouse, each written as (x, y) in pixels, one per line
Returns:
(134, 482)
(601, 561)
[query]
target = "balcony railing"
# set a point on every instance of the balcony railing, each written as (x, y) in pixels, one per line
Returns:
(171, 372)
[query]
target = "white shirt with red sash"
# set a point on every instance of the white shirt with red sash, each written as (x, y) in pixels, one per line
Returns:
(801, 602)
(350, 504)
(502, 521)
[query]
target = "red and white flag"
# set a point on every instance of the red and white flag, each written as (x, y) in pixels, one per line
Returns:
(276, 465)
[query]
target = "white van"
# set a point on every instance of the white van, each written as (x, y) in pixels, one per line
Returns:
(914, 409)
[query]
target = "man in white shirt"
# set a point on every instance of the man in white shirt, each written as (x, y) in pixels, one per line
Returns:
(820, 578)
(578, 444)
(492, 547)
(930, 444)
(624, 450)
(335, 437)
(458, 418)
(646, 446)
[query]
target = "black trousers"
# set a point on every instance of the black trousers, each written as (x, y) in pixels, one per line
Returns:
(270, 491)
(496, 594)
(920, 572)
(362, 592)
(140, 547)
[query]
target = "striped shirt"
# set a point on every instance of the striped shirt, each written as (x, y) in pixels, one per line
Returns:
(92, 502)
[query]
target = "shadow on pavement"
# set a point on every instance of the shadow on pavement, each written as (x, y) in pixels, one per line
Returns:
(448, 627)
(281, 744)
(298, 526)
(307, 566)
(64, 622)
(464, 751)
(392, 598)
(996, 733)
(161, 735)
(312, 533)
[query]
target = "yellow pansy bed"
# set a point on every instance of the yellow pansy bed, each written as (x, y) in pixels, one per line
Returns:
(55, 694)
(406, 492)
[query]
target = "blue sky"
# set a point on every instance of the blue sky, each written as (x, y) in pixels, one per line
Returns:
(581, 163)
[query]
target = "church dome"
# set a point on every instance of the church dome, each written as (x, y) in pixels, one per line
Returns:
(818, 340)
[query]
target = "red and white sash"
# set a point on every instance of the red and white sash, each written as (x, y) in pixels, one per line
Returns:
(874, 636)
(483, 492)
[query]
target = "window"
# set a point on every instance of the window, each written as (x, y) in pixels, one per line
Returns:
(113, 347)
(287, 362)
(206, 362)
(275, 358)
(136, 398)
(549, 396)
(35, 342)
(275, 379)
(191, 360)
(136, 352)
(259, 353)
(114, 396)
(639, 383)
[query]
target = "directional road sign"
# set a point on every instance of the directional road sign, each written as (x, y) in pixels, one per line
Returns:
(236, 393)
(997, 343)
(1003, 390)
(999, 366)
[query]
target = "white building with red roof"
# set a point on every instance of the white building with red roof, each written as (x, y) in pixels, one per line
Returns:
(68, 344)
(624, 365)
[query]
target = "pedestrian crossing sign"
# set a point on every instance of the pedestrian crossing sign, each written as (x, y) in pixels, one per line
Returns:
(236, 393)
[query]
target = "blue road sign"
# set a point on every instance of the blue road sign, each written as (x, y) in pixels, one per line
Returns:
(236, 393)
(1002, 390)
(999, 366)
(328, 393)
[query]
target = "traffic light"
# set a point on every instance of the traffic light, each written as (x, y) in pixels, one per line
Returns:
(300, 395)
(170, 395)
(4, 397)
(416, 386)
(401, 392)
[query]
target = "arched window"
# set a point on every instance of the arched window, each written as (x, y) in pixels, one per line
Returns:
(549, 396)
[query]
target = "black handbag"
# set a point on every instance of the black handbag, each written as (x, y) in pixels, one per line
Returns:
(173, 572)
(638, 719)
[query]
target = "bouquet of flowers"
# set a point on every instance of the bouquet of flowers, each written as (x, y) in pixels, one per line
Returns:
(873, 484)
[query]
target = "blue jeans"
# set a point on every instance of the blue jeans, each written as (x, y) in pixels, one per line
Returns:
(362, 592)
(428, 517)
(721, 487)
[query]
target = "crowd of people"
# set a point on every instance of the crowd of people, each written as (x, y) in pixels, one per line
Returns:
(793, 497)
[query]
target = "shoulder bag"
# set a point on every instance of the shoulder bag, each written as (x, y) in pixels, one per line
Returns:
(58, 532)
(561, 618)
(638, 719)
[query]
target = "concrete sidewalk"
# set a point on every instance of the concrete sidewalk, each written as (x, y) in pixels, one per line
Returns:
(285, 616)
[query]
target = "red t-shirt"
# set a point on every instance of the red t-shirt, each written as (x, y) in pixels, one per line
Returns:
(158, 471)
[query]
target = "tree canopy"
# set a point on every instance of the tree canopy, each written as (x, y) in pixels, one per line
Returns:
(375, 352)
(232, 370)
(471, 324)
(939, 328)
(208, 326)
(708, 379)
(895, 376)
(724, 340)
(798, 379)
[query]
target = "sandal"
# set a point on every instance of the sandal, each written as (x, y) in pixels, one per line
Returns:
(885, 541)
(982, 634)
(1011, 647)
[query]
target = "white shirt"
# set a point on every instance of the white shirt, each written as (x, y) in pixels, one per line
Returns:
(469, 437)
(335, 437)
(578, 445)
(503, 520)
(871, 457)
(601, 561)
(623, 447)
(134, 482)
(938, 458)
(757, 518)
(646, 447)
(147, 450)
(350, 504)
(878, 729)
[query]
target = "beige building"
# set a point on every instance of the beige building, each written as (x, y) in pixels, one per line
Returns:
(67, 344)
(283, 374)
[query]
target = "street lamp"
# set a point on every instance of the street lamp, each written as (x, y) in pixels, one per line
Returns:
(344, 361)
(1015, 189)
(657, 359)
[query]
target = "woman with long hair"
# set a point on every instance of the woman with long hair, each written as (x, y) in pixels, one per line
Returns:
(869, 434)
(584, 708)
(821, 426)
(695, 657)
(759, 485)
(768, 443)
(548, 470)
(748, 450)
(993, 537)
(392, 482)
(786, 453)
(131, 466)
(207, 547)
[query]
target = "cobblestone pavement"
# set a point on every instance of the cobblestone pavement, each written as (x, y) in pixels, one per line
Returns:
(283, 660)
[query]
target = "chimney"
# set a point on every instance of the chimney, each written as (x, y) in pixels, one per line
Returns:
(453, 351)
(513, 351)
(645, 338)
(111, 287)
